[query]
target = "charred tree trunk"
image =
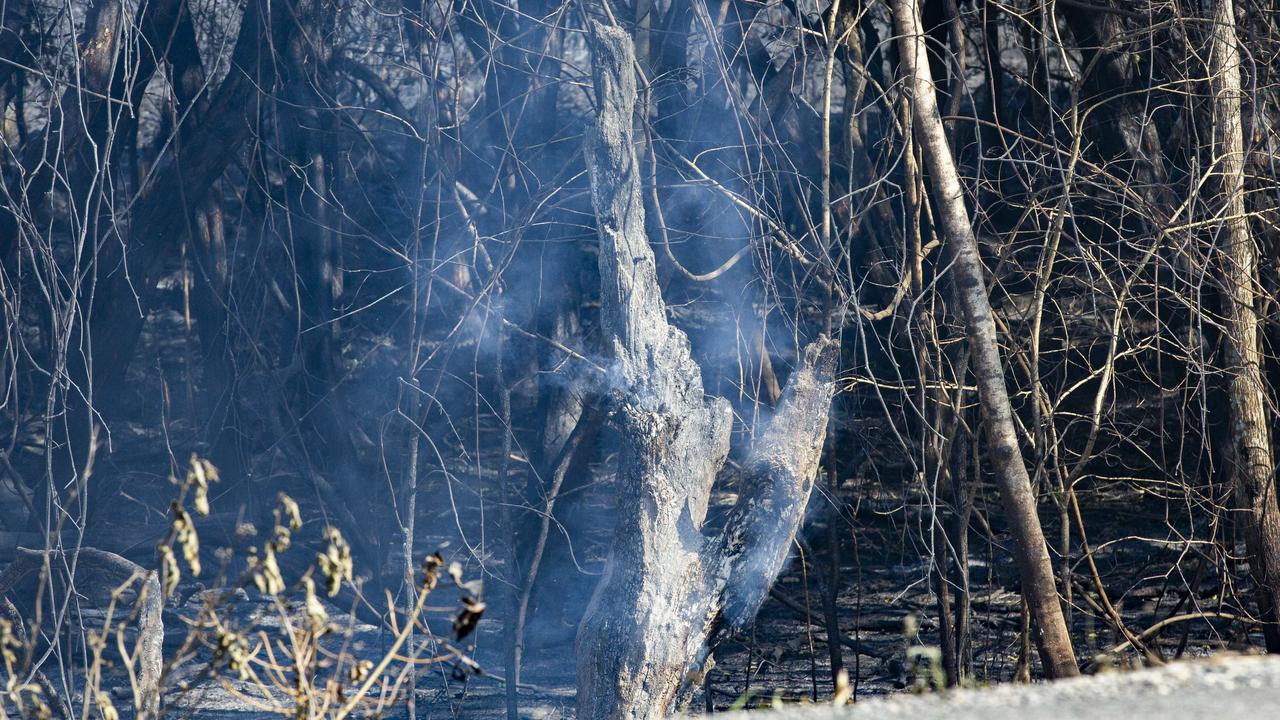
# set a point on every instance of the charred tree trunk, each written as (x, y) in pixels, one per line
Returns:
(1034, 565)
(120, 285)
(162, 211)
(666, 584)
(1253, 474)
(1128, 133)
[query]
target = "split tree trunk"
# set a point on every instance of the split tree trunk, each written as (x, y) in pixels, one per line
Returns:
(666, 584)
(1252, 473)
(1034, 565)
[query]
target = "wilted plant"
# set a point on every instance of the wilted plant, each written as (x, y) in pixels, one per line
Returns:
(28, 699)
(304, 666)
(335, 562)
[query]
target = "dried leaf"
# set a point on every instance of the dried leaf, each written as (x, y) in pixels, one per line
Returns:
(465, 622)
(431, 565)
(169, 572)
(335, 562)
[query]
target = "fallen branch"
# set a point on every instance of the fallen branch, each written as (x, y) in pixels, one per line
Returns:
(150, 622)
(1174, 619)
(844, 640)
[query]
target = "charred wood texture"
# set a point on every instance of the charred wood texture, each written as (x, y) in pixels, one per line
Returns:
(665, 582)
(488, 278)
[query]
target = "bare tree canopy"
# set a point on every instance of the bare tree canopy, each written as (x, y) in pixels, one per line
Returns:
(707, 354)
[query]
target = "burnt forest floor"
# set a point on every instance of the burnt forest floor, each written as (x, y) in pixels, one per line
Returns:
(1149, 569)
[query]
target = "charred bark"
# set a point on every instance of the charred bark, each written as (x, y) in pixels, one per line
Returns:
(666, 583)
(120, 298)
(116, 287)
(1129, 133)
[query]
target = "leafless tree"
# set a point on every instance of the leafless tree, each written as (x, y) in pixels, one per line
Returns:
(469, 272)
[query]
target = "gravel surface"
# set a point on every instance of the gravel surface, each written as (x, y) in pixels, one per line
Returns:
(1237, 688)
